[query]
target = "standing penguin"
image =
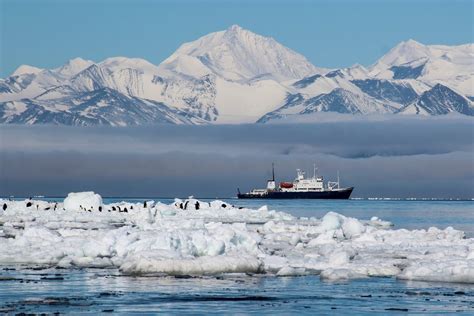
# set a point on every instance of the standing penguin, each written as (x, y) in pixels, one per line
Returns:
(4, 207)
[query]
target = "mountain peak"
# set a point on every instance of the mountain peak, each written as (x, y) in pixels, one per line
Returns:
(74, 66)
(412, 43)
(239, 54)
(120, 63)
(78, 62)
(26, 69)
(404, 53)
(234, 28)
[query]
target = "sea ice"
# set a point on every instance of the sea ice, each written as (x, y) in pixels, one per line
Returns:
(200, 238)
(78, 201)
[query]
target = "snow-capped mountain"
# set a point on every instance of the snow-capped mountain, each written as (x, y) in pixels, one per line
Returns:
(239, 55)
(236, 76)
(448, 65)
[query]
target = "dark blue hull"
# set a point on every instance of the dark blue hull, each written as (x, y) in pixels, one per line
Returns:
(341, 194)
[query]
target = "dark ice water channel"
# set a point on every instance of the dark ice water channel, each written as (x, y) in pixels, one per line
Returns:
(91, 291)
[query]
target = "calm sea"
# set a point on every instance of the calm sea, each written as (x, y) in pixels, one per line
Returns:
(91, 291)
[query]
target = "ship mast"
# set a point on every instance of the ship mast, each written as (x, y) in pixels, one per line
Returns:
(273, 171)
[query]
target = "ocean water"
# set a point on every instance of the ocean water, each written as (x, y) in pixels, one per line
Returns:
(92, 291)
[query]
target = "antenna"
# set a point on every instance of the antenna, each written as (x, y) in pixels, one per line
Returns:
(314, 171)
(338, 185)
(273, 171)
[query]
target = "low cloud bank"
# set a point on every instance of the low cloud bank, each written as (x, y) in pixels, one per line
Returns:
(394, 158)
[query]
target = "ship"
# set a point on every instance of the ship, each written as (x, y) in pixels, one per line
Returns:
(300, 188)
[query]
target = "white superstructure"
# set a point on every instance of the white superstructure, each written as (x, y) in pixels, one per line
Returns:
(301, 184)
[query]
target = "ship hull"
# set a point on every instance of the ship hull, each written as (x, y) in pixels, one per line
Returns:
(339, 194)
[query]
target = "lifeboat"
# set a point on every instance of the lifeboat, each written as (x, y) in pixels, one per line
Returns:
(286, 185)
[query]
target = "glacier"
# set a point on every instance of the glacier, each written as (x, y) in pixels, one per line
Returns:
(236, 76)
(193, 237)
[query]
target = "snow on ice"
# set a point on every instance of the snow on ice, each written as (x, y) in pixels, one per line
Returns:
(192, 237)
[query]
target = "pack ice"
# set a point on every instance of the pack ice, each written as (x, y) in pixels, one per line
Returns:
(192, 237)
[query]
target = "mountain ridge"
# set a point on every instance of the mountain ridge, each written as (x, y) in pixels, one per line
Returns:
(236, 76)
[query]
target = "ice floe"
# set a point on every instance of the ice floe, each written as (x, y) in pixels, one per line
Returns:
(192, 237)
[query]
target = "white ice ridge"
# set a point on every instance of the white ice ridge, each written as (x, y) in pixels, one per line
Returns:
(193, 237)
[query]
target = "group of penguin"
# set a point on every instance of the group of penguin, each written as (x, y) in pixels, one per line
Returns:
(184, 206)
(197, 205)
(30, 204)
(117, 208)
(181, 205)
(112, 209)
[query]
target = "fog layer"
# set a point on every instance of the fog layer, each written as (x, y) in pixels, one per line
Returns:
(392, 158)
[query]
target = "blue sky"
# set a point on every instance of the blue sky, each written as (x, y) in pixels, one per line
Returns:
(329, 33)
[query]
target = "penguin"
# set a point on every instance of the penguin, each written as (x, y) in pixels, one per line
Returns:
(223, 205)
(113, 208)
(55, 206)
(125, 210)
(144, 204)
(4, 207)
(186, 205)
(196, 205)
(29, 204)
(120, 210)
(48, 208)
(181, 205)
(100, 208)
(131, 207)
